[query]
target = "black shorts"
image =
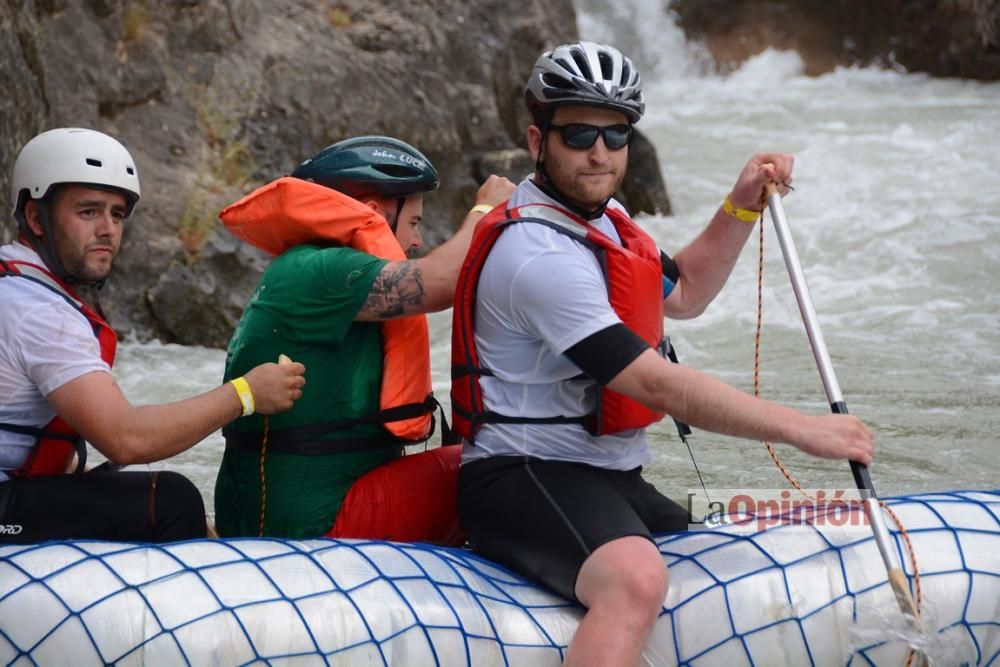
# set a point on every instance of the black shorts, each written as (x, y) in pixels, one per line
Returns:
(544, 518)
(131, 506)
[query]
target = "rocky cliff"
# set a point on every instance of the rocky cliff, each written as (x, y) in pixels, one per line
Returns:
(215, 97)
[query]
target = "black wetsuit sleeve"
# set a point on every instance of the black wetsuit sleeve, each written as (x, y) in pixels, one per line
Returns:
(669, 267)
(606, 353)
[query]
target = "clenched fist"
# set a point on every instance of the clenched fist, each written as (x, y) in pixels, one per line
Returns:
(276, 387)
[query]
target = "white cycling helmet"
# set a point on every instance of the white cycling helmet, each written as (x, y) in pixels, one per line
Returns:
(585, 73)
(73, 155)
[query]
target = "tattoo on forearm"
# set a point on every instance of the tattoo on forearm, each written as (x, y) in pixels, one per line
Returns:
(397, 290)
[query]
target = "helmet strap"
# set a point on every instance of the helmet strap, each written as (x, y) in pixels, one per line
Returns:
(94, 301)
(46, 249)
(400, 203)
(45, 246)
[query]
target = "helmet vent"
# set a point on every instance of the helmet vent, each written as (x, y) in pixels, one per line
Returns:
(565, 64)
(581, 63)
(130, 171)
(606, 65)
(557, 82)
(94, 163)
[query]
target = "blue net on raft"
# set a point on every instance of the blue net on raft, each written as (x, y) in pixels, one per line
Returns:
(240, 601)
(818, 594)
(791, 594)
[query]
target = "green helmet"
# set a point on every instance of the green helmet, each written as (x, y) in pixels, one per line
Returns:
(371, 166)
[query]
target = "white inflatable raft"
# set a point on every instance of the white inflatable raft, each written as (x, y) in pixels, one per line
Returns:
(788, 595)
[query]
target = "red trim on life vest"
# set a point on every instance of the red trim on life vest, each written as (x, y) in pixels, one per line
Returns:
(635, 292)
(54, 448)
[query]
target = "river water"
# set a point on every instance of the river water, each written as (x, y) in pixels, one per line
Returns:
(896, 215)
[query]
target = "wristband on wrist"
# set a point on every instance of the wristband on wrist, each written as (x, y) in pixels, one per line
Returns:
(744, 214)
(242, 388)
(481, 208)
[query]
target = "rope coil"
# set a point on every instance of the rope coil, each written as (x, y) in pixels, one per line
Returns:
(263, 476)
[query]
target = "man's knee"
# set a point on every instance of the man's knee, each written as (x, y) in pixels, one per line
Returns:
(628, 571)
(177, 510)
(645, 583)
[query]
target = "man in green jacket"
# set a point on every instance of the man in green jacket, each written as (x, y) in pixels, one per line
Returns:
(343, 299)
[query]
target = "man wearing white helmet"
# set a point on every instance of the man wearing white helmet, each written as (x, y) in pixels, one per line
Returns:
(72, 191)
(558, 366)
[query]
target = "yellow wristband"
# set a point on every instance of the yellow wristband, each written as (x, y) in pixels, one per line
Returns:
(744, 214)
(242, 388)
(481, 208)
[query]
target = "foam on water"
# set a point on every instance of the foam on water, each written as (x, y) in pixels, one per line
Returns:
(895, 217)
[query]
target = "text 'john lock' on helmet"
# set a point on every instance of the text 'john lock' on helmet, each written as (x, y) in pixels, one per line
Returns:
(371, 166)
(73, 155)
(585, 73)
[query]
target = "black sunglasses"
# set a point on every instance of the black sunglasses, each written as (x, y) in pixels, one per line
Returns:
(582, 136)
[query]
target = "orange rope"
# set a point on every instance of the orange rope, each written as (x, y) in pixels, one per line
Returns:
(774, 455)
(263, 477)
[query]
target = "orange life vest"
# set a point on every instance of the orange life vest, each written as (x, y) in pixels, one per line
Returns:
(633, 274)
(290, 212)
(56, 442)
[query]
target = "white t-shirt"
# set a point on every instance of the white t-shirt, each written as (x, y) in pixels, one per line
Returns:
(46, 343)
(540, 293)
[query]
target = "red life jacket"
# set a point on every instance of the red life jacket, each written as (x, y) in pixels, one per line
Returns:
(56, 442)
(633, 274)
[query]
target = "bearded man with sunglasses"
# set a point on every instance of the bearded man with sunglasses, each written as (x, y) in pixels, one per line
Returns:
(558, 359)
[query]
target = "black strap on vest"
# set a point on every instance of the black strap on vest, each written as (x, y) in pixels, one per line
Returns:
(490, 417)
(461, 370)
(307, 440)
(78, 443)
(590, 422)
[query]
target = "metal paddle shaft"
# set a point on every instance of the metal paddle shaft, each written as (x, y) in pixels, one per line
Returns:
(861, 477)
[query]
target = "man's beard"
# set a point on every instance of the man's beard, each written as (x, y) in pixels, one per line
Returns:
(567, 187)
(76, 263)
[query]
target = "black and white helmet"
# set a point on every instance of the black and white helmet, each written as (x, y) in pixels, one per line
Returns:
(585, 73)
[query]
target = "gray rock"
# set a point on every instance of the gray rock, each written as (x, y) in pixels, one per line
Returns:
(24, 114)
(200, 303)
(941, 37)
(216, 97)
(512, 163)
(644, 190)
